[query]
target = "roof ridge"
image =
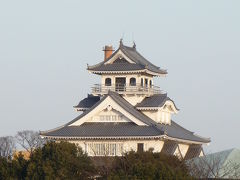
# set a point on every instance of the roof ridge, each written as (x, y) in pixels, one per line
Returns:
(87, 111)
(150, 121)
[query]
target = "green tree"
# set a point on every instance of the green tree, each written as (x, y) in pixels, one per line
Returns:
(4, 168)
(19, 167)
(148, 165)
(61, 160)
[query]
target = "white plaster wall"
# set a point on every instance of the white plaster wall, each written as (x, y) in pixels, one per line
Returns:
(153, 114)
(133, 99)
(129, 145)
(156, 145)
(97, 117)
(183, 149)
(164, 116)
(127, 76)
(160, 116)
(201, 154)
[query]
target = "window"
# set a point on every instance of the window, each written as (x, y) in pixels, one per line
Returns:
(108, 82)
(146, 82)
(111, 118)
(150, 83)
(142, 82)
(133, 82)
(104, 149)
(140, 147)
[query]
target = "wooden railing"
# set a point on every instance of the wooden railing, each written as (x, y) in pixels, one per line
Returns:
(126, 89)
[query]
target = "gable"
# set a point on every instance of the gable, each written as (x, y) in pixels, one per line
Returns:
(118, 56)
(110, 105)
(107, 115)
(120, 60)
(170, 107)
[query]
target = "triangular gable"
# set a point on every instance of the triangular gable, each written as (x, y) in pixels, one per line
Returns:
(119, 55)
(109, 115)
(167, 105)
(170, 107)
(108, 101)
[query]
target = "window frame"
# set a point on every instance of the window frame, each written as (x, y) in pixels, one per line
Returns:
(108, 82)
(134, 83)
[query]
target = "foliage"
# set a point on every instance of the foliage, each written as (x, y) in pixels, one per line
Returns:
(4, 168)
(59, 161)
(19, 167)
(63, 160)
(148, 165)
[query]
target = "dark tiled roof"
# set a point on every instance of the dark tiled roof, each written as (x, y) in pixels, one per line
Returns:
(123, 129)
(140, 62)
(88, 102)
(176, 131)
(119, 67)
(157, 100)
(134, 55)
(108, 129)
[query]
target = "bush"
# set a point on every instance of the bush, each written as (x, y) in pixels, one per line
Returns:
(59, 161)
(65, 160)
(148, 165)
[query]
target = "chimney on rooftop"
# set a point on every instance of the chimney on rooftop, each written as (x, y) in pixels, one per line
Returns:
(108, 50)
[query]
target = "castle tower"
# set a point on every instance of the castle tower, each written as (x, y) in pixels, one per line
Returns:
(127, 111)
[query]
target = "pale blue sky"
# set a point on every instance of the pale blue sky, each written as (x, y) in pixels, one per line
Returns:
(45, 46)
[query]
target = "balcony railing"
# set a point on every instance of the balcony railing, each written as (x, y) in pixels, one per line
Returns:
(100, 89)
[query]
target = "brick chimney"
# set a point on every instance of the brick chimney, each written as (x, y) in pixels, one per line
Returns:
(108, 50)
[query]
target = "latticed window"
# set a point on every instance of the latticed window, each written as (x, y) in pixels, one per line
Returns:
(104, 149)
(110, 118)
(108, 82)
(133, 82)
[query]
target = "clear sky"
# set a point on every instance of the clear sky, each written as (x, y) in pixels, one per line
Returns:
(45, 47)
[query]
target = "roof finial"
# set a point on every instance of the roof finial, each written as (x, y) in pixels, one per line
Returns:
(134, 45)
(121, 42)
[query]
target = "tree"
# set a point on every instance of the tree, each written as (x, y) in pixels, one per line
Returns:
(19, 167)
(7, 146)
(148, 165)
(213, 166)
(61, 160)
(29, 140)
(4, 168)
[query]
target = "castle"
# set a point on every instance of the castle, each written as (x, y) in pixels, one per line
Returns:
(126, 111)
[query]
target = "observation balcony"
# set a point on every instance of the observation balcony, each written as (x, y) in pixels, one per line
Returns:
(138, 89)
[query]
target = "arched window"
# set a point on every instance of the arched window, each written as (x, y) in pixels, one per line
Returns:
(146, 82)
(108, 82)
(132, 81)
